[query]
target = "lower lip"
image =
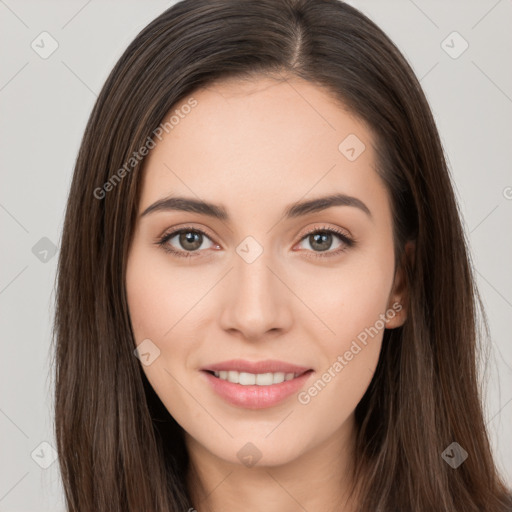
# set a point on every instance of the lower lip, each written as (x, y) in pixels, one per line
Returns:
(256, 397)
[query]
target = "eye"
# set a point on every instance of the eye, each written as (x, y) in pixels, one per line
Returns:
(190, 242)
(321, 240)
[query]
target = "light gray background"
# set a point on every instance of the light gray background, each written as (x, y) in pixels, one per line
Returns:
(45, 104)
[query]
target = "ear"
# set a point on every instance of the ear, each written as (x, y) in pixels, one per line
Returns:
(398, 303)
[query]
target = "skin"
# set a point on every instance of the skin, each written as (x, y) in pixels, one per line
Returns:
(254, 148)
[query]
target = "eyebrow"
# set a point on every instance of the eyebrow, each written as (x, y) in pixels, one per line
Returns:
(294, 210)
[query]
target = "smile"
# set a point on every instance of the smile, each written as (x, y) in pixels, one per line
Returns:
(258, 379)
(260, 388)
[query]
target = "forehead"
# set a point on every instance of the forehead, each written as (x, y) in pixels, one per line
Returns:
(261, 142)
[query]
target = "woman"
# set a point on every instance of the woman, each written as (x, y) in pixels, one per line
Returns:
(264, 293)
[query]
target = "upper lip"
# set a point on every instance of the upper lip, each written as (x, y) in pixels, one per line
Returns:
(267, 366)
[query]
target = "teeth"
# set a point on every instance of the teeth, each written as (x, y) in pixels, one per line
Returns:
(251, 379)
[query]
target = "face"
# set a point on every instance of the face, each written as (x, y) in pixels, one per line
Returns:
(264, 290)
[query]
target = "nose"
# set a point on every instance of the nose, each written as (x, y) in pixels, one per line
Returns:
(256, 299)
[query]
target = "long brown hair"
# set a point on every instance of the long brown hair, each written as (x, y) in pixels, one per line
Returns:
(119, 448)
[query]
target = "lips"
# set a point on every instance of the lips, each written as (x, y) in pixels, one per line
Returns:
(250, 396)
(267, 366)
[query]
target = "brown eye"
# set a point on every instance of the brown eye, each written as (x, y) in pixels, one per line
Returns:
(184, 242)
(190, 240)
(322, 240)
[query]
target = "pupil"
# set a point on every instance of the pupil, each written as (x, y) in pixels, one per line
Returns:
(319, 238)
(190, 238)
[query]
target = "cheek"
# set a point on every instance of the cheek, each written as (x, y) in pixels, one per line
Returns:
(164, 304)
(347, 300)
(158, 295)
(158, 301)
(351, 303)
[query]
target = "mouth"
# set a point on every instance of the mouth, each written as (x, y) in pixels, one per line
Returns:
(255, 379)
(256, 385)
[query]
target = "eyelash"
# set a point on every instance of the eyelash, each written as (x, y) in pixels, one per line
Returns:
(347, 241)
